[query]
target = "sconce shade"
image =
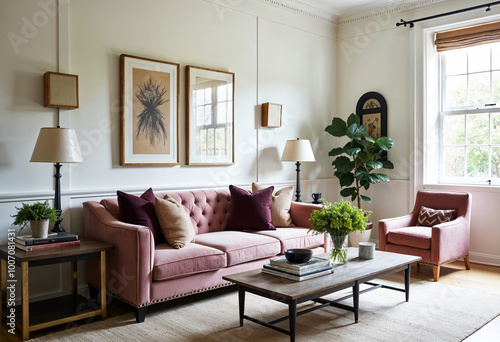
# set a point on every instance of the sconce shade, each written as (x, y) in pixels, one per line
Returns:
(298, 150)
(60, 90)
(56, 145)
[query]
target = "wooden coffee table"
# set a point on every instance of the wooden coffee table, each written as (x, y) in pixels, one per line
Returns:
(355, 272)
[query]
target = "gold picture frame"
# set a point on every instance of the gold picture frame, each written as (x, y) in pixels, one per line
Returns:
(272, 116)
(60, 90)
(149, 115)
(209, 116)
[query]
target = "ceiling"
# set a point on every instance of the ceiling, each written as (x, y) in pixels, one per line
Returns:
(348, 7)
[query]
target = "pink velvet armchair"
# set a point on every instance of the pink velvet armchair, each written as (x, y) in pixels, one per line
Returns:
(438, 244)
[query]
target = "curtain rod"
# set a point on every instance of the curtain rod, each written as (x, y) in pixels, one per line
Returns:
(411, 22)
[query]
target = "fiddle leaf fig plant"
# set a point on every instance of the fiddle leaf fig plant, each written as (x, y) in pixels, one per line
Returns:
(358, 161)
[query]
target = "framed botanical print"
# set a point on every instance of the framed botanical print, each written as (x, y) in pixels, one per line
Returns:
(149, 111)
(372, 110)
(209, 116)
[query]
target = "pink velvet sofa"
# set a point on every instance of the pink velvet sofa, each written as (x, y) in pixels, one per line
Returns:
(142, 273)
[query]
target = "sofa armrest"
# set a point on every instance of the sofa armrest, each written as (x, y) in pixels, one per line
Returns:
(386, 225)
(450, 241)
(130, 264)
(301, 212)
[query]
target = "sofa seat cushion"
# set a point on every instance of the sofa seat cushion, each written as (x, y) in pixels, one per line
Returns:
(240, 247)
(294, 238)
(418, 237)
(170, 262)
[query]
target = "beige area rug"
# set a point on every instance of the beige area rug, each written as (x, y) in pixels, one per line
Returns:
(435, 312)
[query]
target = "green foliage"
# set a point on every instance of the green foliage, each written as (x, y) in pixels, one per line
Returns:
(355, 161)
(37, 211)
(338, 219)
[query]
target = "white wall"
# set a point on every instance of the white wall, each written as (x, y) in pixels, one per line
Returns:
(375, 55)
(276, 55)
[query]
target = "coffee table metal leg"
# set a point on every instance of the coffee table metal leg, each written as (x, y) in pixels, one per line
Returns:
(241, 297)
(355, 299)
(407, 282)
(292, 316)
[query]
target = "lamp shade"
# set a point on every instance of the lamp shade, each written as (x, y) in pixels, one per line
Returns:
(298, 150)
(56, 145)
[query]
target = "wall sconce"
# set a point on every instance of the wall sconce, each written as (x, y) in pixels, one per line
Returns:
(60, 90)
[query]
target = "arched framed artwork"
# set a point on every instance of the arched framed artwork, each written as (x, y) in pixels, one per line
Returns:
(372, 111)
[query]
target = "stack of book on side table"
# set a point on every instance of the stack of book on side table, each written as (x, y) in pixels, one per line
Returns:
(28, 243)
(283, 268)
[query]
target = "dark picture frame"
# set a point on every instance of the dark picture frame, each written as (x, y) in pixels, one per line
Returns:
(372, 111)
(149, 113)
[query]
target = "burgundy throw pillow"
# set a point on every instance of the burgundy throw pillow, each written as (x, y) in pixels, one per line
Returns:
(141, 211)
(250, 211)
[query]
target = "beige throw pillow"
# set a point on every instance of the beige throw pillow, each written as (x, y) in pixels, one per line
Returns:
(174, 222)
(280, 206)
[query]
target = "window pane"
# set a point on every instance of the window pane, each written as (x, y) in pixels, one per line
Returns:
(477, 162)
(495, 162)
(208, 95)
(478, 126)
(456, 62)
(495, 51)
(200, 97)
(456, 91)
(454, 161)
(479, 58)
(221, 113)
(221, 141)
(496, 87)
(210, 142)
(201, 141)
(200, 115)
(454, 130)
(479, 89)
(495, 128)
(222, 93)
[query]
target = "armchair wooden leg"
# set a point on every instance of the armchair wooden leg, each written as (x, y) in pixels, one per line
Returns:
(466, 262)
(435, 272)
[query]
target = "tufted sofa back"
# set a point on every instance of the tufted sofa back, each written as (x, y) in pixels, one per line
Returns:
(209, 210)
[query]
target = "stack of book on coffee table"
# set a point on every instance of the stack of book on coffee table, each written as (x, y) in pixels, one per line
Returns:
(283, 268)
(28, 243)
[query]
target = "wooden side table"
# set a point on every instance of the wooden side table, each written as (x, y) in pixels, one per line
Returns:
(59, 310)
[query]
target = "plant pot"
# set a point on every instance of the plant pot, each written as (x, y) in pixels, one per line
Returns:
(356, 238)
(39, 229)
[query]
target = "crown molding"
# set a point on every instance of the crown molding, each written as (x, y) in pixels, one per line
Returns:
(388, 9)
(313, 10)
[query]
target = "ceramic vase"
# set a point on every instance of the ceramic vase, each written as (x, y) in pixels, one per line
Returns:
(39, 229)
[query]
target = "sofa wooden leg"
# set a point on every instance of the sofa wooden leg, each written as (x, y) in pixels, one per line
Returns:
(140, 314)
(466, 262)
(435, 272)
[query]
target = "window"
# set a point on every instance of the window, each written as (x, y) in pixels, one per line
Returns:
(213, 117)
(469, 115)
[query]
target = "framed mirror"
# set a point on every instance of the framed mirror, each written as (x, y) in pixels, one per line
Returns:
(209, 116)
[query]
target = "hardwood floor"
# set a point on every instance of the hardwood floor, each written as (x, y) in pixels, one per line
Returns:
(479, 277)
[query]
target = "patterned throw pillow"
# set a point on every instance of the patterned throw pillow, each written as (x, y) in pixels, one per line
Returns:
(430, 217)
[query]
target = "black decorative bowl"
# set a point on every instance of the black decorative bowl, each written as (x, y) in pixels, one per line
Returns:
(298, 255)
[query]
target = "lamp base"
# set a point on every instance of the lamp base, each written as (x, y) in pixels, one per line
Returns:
(57, 226)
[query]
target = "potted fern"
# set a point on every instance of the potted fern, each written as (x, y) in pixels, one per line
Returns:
(358, 162)
(39, 215)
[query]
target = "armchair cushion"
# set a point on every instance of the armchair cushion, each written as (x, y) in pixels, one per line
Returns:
(430, 217)
(418, 237)
(174, 221)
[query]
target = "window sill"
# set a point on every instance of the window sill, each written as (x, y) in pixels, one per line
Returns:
(463, 187)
